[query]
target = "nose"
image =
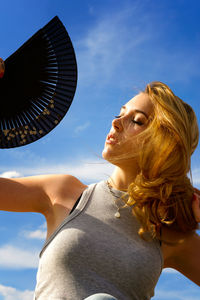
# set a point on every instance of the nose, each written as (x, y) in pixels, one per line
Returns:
(117, 124)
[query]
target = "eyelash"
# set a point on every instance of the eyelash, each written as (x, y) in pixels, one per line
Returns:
(138, 123)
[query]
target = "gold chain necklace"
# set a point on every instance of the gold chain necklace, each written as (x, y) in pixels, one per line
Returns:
(114, 197)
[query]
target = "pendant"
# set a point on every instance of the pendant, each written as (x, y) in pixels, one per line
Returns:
(117, 215)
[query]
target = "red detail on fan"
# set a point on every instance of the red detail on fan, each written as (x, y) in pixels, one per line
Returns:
(2, 67)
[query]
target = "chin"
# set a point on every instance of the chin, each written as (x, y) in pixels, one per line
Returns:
(107, 155)
(111, 157)
(119, 158)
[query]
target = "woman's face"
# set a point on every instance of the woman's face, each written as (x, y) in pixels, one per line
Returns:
(121, 142)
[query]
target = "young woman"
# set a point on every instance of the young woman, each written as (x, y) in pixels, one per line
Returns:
(116, 236)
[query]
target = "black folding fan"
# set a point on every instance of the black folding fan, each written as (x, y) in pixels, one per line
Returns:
(38, 86)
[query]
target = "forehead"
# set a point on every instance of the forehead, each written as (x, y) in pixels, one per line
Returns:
(140, 102)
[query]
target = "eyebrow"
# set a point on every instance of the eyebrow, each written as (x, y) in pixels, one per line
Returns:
(136, 110)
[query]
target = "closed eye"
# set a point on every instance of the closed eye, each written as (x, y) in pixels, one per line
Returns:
(137, 122)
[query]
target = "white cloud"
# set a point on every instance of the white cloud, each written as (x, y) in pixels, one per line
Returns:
(82, 127)
(37, 234)
(10, 174)
(10, 293)
(15, 258)
(40, 233)
(109, 43)
(169, 271)
(87, 170)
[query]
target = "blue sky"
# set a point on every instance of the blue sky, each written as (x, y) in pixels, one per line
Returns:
(120, 46)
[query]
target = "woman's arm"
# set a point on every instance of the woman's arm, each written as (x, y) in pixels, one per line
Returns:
(51, 195)
(38, 193)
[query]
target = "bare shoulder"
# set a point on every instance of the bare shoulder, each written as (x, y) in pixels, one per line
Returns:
(51, 190)
(63, 188)
(183, 253)
(51, 195)
(54, 185)
(175, 244)
(62, 184)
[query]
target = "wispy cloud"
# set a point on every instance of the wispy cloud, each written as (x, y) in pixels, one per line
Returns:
(86, 169)
(81, 128)
(24, 154)
(108, 43)
(12, 257)
(128, 46)
(10, 293)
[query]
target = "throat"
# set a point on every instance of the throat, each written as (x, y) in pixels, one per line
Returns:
(120, 179)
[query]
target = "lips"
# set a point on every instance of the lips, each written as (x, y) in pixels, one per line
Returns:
(111, 139)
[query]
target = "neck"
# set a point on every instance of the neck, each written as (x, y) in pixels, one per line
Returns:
(121, 178)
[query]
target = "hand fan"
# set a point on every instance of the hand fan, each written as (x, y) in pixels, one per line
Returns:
(37, 86)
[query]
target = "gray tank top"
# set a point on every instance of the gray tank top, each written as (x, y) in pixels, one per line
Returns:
(92, 251)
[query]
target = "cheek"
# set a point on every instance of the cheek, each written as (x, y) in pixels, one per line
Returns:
(127, 147)
(133, 131)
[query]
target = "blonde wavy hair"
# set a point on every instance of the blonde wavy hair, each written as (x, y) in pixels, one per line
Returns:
(161, 194)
